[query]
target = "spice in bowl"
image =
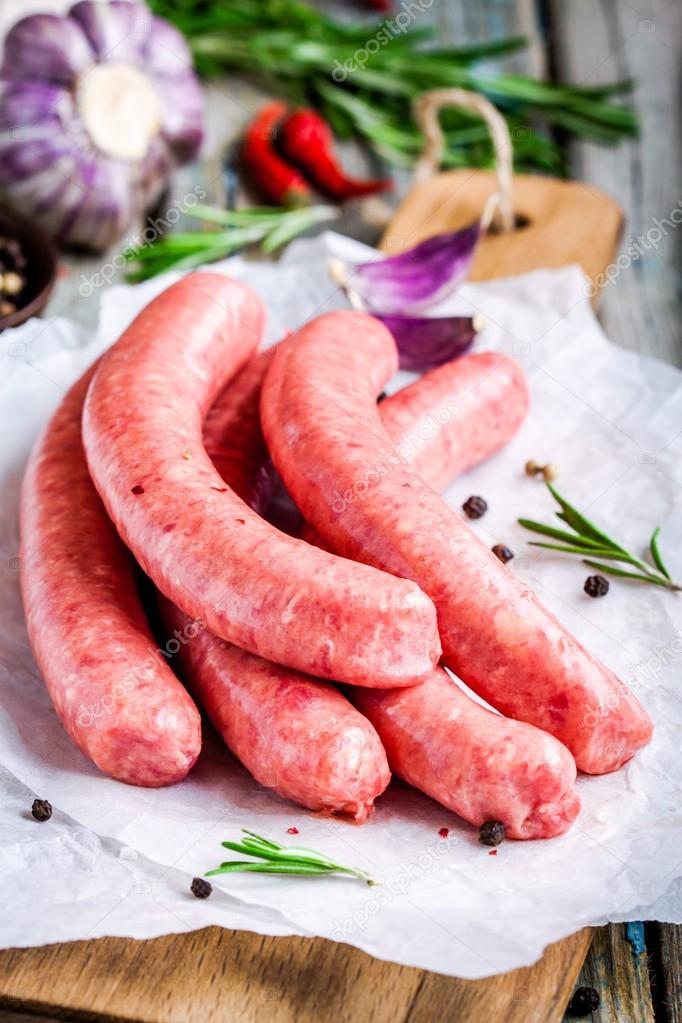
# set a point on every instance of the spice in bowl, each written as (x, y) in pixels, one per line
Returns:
(12, 278)
(28, 268)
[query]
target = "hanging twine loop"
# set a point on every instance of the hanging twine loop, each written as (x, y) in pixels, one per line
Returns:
(426, 110)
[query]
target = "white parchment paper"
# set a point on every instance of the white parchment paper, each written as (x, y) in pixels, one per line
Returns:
(115, 860)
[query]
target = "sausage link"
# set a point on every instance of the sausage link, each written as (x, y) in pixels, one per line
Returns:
(325, 436)
(116, 697)
(452, 418)
(198, 541)
(457, 415)
(296, 735)
(476, 763)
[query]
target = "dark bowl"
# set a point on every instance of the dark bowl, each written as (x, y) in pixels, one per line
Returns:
(41, 265)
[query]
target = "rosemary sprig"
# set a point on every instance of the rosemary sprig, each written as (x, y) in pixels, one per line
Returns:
(266, 226)
(297, 51)
(594, 544)
(282, 859)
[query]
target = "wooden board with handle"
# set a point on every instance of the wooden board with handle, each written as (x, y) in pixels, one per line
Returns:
(532, 223)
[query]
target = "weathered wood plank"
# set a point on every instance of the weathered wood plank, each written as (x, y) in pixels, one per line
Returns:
(593, 41)
(597, 41)
(620, 977)
(670, 980)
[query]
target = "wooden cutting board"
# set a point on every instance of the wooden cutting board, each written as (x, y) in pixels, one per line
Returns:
(219, 975)
(559, 222)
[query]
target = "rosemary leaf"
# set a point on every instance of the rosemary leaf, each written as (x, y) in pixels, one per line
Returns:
(656, 554)
(559, 534)
(281, 859)
(610, 570)
(595, 552)
(296, 869)
(294, 49)
(582, 525)
(589, 539)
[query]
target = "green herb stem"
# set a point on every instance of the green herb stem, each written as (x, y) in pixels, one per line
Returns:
(586, 538)
(297, 51)
(280, 859)
(269, 227)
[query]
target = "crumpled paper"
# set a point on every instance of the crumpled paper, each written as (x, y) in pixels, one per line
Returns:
(115, 860)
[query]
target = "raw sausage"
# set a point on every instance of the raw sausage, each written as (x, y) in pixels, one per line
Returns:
(114, 693)
(233, 438)
(453, 417)
(201, 545)
(319, 416)
(296, 735)
(457, 415)
(478, 764)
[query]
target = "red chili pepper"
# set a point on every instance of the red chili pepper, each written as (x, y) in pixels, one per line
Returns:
(306, 139)
(380, 5)
(266, 170)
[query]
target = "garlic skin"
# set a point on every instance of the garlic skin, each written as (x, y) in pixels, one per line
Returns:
(96, 109)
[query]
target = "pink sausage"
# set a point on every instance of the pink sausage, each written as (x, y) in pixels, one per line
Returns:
(481, 766)
(296, 735)
(478, 764)
(325, 436)
(116, 697)
(457, 415)
(233, 438)
(452, 418)
(198, 541)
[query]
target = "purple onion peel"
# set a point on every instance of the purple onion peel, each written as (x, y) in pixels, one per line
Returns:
(426, 342)
(418, 278)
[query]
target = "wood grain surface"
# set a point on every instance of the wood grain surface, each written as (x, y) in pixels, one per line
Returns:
(562, 222)
(214, 975)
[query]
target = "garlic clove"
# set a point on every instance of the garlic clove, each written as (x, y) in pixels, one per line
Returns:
(182, 115)
(45, 46)
(166, 53)
(117, 31)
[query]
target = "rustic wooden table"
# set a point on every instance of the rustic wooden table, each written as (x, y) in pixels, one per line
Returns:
(219, 975)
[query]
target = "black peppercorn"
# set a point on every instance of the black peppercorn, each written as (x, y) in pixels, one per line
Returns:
(503, 552)
(474, 507)
(596, 586)
(491, 833)
(584, 1001)
(200, 888)
(41, 810)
